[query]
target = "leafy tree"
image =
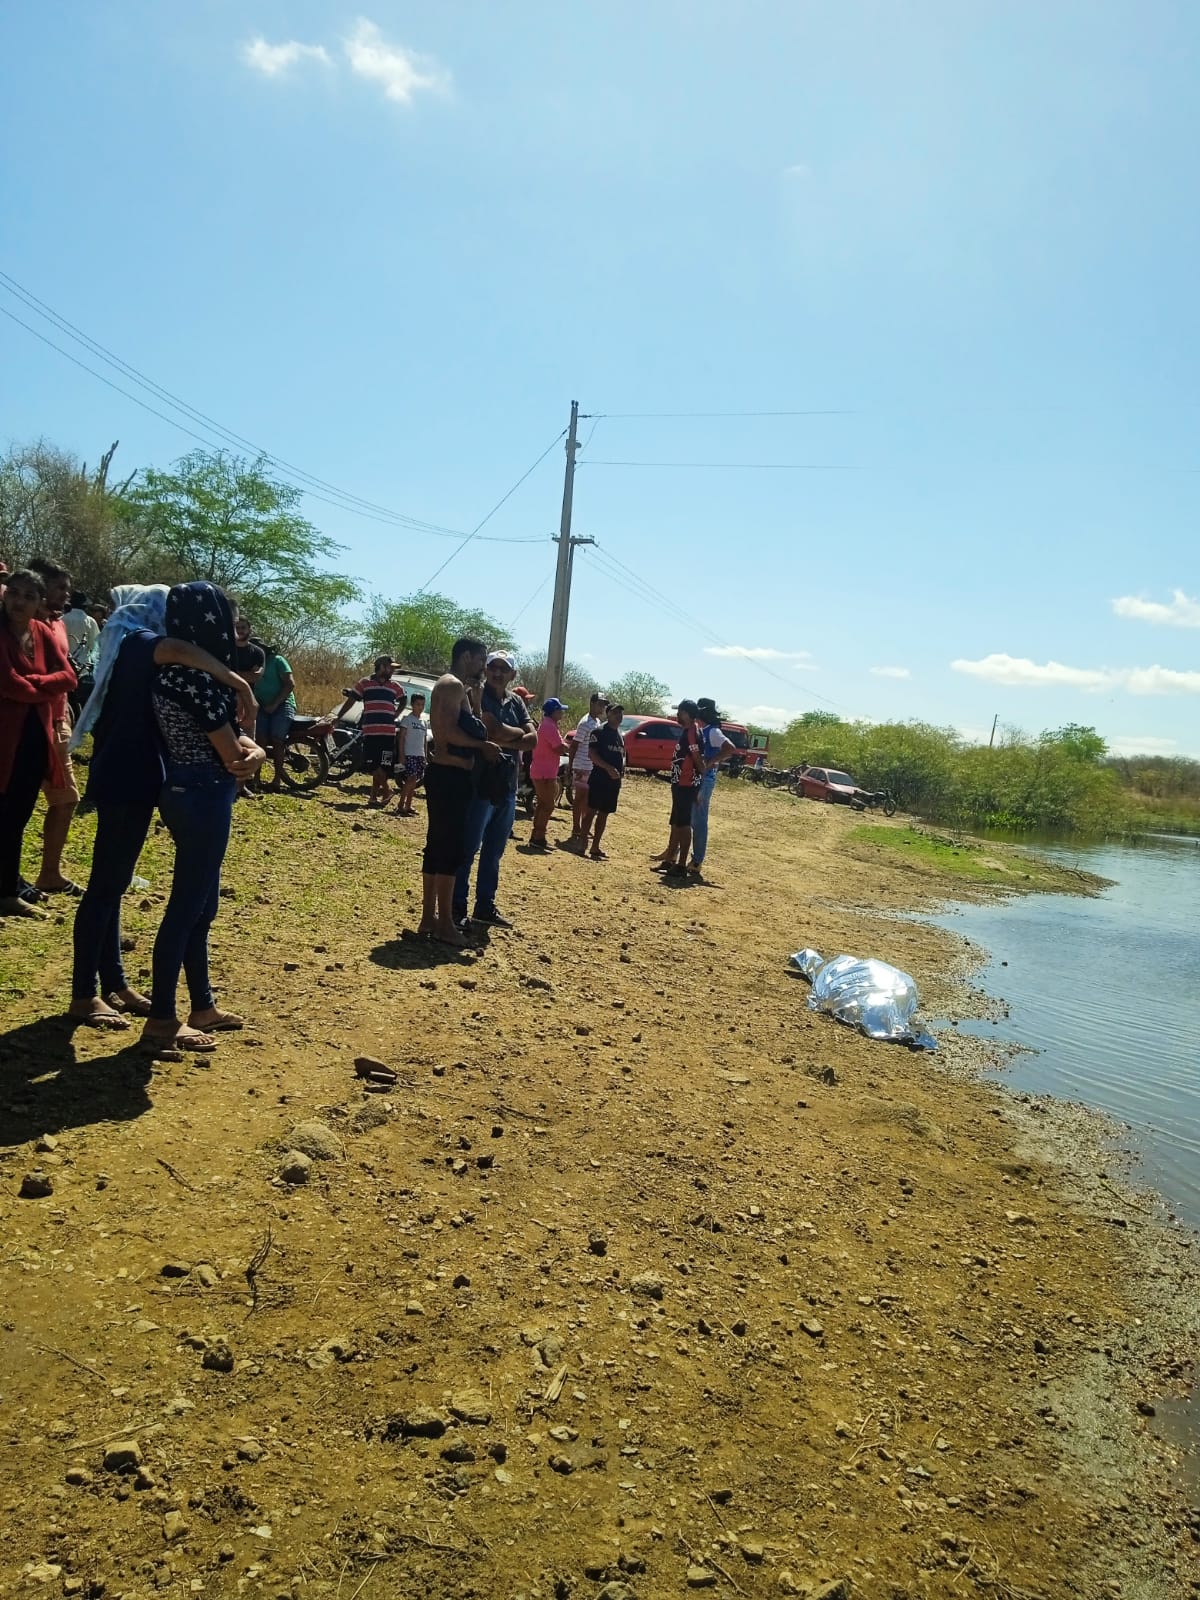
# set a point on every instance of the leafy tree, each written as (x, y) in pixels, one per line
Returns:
(577, 686)
(640, 693)
(220, 517)
(420, 629)
(1079, 742)
(51, 504)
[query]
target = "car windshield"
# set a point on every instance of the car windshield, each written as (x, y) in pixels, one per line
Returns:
(629, 722)
(843, 778)
(737, 736)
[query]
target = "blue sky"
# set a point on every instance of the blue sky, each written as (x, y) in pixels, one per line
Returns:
(392, 243)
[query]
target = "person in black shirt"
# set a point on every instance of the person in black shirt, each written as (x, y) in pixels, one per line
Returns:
(607, 749)
(493, 805)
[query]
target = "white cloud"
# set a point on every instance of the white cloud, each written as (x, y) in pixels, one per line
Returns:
(1161, 680)
(1183, 612)
(1142, 744)
(891, 672)
(754, 652)
(401, 73)
(1020, 673)
(273, 59)
(776, 717)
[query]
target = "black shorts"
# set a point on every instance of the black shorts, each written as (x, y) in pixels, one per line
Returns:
(683, 802)
(448, 792)
(603, 792)
(379, 752)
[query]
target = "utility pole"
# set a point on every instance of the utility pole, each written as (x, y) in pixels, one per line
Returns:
(992, 740)
(556, 653)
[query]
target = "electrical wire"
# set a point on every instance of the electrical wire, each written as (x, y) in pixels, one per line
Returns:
(545, 581)
(734, 466)
(624, 416)
(613, 568)
(508, 496)
(344, 501)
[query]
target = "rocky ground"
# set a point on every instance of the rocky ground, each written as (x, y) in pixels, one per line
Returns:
(639, 1279)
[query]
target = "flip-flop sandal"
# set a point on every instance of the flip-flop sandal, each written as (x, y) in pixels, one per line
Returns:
(63, 888)
(190, 1039)
(31, 896)
(103, 1021)
(598, 855)
(224, 1022)
(134, 1008)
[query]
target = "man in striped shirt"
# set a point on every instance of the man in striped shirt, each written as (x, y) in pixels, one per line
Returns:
(382, 703)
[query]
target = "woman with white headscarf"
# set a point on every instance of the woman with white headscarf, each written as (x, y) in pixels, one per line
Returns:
(124, 780)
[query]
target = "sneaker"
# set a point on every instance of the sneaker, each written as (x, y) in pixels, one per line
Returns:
(491, 919)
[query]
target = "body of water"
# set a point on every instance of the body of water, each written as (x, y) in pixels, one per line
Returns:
(1106, 993)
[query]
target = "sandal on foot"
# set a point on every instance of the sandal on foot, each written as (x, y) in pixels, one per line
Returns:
(65, 887)
(181, 1039)
(220, 1022)
(137, 1006)
(108, 1019)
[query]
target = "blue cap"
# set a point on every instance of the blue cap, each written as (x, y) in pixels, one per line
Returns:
(551, 706)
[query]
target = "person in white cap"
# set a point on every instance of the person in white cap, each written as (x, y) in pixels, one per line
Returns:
(494, 802)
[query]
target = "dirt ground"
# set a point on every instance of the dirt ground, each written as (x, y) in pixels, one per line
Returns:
(641, 1279)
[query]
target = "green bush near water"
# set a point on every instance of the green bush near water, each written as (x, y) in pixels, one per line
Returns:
(1059, 781)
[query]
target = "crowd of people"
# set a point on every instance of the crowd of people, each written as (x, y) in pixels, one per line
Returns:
(183, 703)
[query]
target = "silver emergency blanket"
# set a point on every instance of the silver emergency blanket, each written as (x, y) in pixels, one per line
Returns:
(877, 999)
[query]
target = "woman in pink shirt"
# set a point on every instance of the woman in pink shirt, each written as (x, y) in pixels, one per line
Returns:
(543, 770)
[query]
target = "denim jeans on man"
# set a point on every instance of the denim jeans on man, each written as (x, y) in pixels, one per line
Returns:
(121, 831)
(488, 828)
(197, 806)
(700, 817)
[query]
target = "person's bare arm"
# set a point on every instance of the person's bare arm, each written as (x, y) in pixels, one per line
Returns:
(286, 684)
(723, 753)
(444, 707)
(240, 756)
(182, 653)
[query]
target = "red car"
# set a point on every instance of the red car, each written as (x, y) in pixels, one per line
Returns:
(826, 783)
(650, 743)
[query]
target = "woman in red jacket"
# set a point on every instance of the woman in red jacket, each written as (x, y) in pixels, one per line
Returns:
(34, 672)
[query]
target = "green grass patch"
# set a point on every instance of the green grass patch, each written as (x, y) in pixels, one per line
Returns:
(975, 861)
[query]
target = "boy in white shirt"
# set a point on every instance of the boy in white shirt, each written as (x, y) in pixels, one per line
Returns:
(581, 767)
(414, 733)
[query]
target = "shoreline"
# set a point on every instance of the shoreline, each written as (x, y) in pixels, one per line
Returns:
(827, 1316)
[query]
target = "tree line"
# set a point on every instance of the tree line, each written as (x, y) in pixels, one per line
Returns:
(220, 516)
(1062, 780)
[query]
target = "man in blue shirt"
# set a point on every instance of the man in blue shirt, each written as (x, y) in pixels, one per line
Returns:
(494, 802)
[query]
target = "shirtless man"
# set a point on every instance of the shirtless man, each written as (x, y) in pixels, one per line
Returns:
(457, 734)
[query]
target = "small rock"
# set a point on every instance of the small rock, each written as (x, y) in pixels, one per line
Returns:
(647, 1286)
(315, 1139)
(174, 1526)
(486, 1162)
(703, 1326)
(813, 1328)
(597, 1244)
(1145, 1409)
(414, 1308)
(502, 1475)
(206, 1275)
(471, 1406)
(295, 1167)
(35, 1185)
(459, 1454)
(786, 1579)
(422, 1422)
(45, 1144)
(368, 1067)
(249, 1450)
(42, 1572)
(79, 1476)
(562, 1463)
(461, 1281)
(616, 1591)
(738, 1329)
(175, 1269)
(832, 1589)
(753, 1552)
(73, 1585)
(367, 1117)
(218, 1357)
(1019, 1219)
(123, 1455)
(700, 1577)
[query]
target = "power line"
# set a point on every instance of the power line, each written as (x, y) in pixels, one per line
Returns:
(508, 496)
(344, 501)
(623, 416)
(733, 466)
(546, 580)
(643, 590)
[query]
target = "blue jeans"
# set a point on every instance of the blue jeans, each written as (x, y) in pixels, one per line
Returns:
(197, 806)
(120, 834)
(488, 830)
(700, 816)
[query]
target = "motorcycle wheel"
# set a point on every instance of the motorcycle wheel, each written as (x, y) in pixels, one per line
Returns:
(889, 807)
(305, 765)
